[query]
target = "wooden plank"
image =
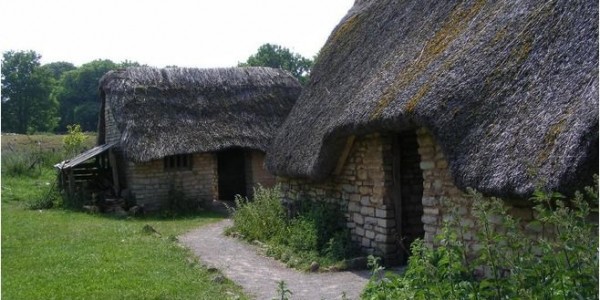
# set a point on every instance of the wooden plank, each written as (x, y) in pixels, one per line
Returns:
(71, 183)
(342, 160)
(115, 174)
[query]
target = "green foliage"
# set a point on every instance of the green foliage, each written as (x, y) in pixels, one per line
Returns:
(262, 219)
(283, 292)
(316, 234)
(74, 141)
(507, 264)
(26, 87)
(77, 90)
(275, 56)
(77, 93)
(56, 69)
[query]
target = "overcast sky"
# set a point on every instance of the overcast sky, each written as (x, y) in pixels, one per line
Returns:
(190, 33)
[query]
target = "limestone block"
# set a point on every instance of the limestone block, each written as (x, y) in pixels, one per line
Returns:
(367, 211)
(434, 211)
(386, 223)
(371, 220)
(359, 231)
(381, 213)
(358, 219)
(429, 219)
(370, 234)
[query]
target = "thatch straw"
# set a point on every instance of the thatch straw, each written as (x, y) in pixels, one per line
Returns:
(162, 112)
(508, 88)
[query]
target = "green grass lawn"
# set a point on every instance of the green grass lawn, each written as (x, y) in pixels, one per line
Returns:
(61, 254)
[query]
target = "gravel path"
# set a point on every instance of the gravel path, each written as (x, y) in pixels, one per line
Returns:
(259, 275)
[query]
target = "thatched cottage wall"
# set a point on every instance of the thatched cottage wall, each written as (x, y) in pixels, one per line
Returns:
(394, 188)
(256, 173)
(111, 131)
(150, 184)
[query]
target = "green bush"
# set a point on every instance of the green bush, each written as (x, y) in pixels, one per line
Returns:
(261, 219)
(508, 264)
(317, 233)
(74, 141)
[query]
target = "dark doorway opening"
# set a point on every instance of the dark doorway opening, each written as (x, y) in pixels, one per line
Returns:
(407, 191)
(231, 168)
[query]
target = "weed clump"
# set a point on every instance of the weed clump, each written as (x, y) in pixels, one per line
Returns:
(507, 264)
(315, 235)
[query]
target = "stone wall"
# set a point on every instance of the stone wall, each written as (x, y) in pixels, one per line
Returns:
(256, 173)
(367, 190)
(149, 183)
(362, 190)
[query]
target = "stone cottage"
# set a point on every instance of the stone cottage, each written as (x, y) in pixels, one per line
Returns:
(410, 103)
(200, 132)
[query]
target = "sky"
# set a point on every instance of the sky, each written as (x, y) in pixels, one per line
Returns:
(185, 33)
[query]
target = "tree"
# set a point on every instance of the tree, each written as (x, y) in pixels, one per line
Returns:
(58, 68)
(275, 56)
(26, 87)
(77, 93)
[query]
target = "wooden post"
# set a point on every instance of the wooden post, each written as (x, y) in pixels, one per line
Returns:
(71, 182)
(115, 174)
(344, 155)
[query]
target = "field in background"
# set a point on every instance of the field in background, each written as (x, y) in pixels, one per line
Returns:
(43, 142)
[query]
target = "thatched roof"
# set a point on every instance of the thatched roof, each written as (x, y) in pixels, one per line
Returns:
(162, 112)
(508, 88)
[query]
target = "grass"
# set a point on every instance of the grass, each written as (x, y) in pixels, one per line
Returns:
(61, 254)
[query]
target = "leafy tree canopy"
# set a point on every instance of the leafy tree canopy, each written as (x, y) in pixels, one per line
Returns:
(275, 56)
(77, 93)
(26, 87)
(58, 68)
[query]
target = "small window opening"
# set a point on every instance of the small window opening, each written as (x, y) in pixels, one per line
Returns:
(178, 162)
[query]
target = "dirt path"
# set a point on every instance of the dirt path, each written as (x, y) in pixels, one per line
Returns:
(259, 275)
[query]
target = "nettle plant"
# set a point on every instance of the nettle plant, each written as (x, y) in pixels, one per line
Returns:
(506, 263)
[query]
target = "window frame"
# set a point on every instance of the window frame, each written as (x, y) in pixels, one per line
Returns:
(178, 162)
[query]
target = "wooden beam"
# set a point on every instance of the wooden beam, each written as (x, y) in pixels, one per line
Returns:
(344, 155)
(115, 174)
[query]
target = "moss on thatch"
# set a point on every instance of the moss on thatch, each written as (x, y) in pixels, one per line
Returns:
(161, 112)
(508, 88)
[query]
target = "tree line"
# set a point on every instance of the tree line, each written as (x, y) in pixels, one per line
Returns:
(49, 97)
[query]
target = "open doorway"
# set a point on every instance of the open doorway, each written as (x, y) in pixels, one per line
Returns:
(231, 168)
(407, 191)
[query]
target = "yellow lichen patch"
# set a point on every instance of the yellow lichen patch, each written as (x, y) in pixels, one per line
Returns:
(499, 36)
(345, 28)
(455, 24)
(416, 98)
(549, 140)
(340, 34)
(523, 50)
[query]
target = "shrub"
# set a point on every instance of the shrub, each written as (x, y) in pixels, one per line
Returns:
(509, 264)
(260, 219)
(317, 233)
(74, 141)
